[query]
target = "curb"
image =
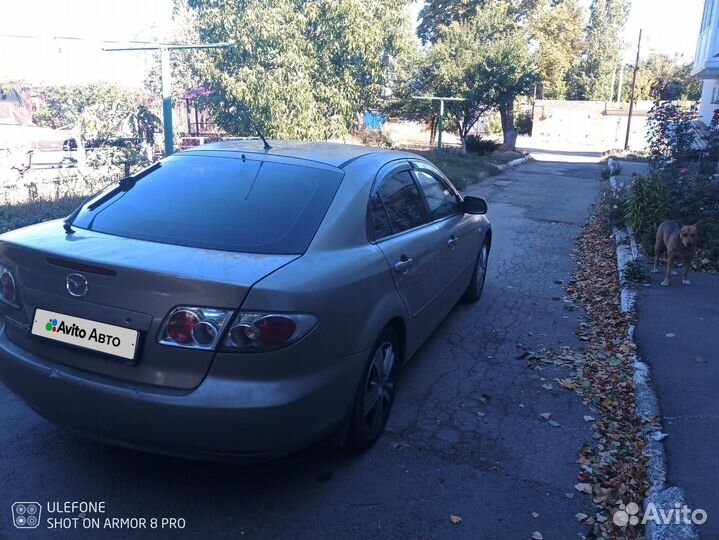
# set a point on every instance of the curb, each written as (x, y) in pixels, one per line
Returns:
(647, 403)
(500, 168)
(514, 162)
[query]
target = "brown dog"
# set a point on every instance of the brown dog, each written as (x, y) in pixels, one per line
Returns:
(680, 242)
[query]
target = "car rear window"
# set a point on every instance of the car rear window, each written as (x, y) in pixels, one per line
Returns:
(220, 203)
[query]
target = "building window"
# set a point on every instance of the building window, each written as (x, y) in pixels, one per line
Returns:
(715, 94)
(708, 14)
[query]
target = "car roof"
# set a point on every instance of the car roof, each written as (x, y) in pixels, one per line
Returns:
(334, 154)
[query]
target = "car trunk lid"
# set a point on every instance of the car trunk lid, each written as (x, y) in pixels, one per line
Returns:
(131, 283)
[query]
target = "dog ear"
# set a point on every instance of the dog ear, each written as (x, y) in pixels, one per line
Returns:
(697, 223)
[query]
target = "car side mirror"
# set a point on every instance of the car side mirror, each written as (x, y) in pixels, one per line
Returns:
(474, 205)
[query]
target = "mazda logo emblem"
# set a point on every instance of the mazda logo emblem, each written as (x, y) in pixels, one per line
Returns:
(76, 285)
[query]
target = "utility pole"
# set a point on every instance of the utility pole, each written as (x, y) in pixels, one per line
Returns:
(166, 81)
(441, 115)
(631, 98)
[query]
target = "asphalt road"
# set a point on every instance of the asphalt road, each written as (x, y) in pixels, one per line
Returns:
(465, 437)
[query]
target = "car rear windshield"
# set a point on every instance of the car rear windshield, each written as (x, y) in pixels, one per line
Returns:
(227, 204)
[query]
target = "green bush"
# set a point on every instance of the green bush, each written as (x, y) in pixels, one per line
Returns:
(523, 123)
(648, 202)
(664, 195)
(477, 145)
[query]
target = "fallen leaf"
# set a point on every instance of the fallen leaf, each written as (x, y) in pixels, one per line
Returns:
(536, 535)
(569, 495)
(455, 519)
(584, 487)
(554, 423)
(546, 415)
(580, 516)
(588, 418)
(547, 386)
(535, 515)
(670, 334)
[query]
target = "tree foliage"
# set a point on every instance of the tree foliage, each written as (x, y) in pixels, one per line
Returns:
(436, 15)
(556, 26)
(304, 69)
(484, 59)
(98, 108)
(593, 76)
(664, 77)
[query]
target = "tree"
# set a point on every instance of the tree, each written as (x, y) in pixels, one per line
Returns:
(436, 15)
(664, 77)
(303, 68)
(556, 26)
(485, 60)
(596, 70)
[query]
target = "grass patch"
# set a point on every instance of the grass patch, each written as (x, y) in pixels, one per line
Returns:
(15, 216)
(465, 169)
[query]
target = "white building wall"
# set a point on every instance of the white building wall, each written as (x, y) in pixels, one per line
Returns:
(709, 100)
(706, 60)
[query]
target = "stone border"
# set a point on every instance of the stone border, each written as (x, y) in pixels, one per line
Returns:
(501, 167)
(514, 162)
(647, 403)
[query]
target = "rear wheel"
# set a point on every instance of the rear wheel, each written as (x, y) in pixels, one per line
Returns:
(474, 290)
(375, 394)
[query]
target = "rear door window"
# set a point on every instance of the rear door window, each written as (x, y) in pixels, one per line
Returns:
(221, 203)
(396, 205)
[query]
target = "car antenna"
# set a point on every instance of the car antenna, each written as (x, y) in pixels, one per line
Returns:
(249, 120)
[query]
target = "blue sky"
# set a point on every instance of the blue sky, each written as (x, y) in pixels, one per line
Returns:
(47, 58)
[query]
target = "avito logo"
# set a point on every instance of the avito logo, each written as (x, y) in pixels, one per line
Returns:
(51, 326)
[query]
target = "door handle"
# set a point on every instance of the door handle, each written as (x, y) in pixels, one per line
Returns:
(403, 265)
(452, 242)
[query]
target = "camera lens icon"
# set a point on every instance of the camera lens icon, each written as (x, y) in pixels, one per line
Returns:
(26, 515)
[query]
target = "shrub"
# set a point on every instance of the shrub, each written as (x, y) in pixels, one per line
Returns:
(670, 134)
(477, 145)
(648, 202)
(523, 123)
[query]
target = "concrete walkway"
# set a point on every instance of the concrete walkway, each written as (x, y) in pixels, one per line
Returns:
(678, 336)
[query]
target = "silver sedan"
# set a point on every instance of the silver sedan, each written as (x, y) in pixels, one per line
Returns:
(232, 302)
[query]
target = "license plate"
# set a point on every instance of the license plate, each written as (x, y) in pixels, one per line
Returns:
(97, 336)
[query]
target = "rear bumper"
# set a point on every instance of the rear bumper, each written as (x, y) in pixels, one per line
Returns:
(221, 419)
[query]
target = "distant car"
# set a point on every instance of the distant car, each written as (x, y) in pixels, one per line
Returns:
(240, 303)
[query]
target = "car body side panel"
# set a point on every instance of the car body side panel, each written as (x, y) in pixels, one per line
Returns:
(350, 291)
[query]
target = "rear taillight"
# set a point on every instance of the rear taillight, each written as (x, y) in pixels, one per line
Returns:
(194, 327)
(7, 286)
(257, 331)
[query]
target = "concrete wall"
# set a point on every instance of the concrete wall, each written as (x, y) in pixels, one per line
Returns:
(595, 125)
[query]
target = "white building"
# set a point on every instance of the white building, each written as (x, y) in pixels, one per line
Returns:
(706, 60)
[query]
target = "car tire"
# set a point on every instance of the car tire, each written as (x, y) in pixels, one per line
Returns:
(375, 393)
(476, 285)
